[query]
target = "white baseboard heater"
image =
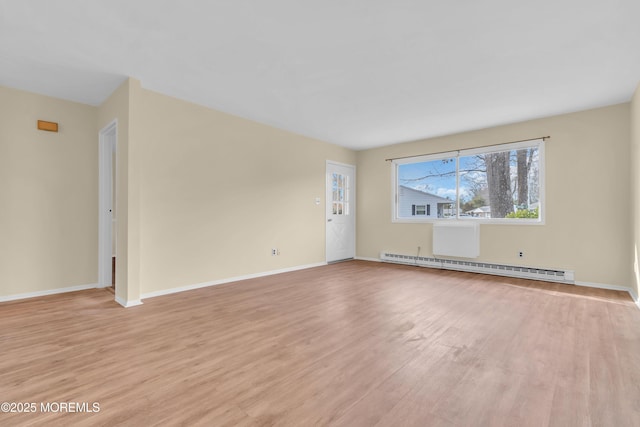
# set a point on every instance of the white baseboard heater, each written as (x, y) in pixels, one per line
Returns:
(547, 275)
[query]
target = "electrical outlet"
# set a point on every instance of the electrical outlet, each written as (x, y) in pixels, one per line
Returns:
(521, 254)
(274, 251)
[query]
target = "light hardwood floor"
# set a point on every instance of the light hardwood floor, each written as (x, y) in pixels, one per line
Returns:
(350, 344)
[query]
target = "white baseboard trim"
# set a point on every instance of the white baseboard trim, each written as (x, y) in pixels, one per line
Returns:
(363, 258)
(631, 292)
(634, 295)
(5, 298)
(602, 286)
(229, 280)
(126, 303)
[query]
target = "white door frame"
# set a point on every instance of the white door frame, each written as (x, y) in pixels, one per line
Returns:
(108, 142)
(328, 201)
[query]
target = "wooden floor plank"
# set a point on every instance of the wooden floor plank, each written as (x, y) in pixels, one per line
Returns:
(349, 344)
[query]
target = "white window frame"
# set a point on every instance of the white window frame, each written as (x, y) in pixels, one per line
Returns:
(539, 143)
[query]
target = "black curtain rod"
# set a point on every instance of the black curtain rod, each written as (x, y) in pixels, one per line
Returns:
(544, 138)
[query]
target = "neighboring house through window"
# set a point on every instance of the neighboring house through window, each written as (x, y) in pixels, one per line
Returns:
(417, 203)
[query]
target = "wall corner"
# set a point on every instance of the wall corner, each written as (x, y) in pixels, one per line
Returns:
(635, 190)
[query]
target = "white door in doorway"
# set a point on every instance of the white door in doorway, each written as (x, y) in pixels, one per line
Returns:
(107, 147)
(341, 212)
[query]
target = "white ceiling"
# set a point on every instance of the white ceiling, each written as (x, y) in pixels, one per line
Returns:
(359, 73)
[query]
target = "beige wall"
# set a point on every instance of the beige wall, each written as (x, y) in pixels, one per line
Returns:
(217, 192)
(48, 193)
(200, 195)
(635, 191)
(204, 196)
(587, 198)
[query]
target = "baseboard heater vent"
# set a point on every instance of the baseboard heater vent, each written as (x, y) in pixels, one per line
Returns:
(562, 276)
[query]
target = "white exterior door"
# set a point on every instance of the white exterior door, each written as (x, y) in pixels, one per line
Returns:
(341, 212)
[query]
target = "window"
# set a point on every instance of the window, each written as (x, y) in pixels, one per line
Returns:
(419, 210)
(340, 194)
(501, 183)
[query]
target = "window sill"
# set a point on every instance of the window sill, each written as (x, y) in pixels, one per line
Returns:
(469, 220)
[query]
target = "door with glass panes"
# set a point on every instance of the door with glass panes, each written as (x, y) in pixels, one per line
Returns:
(341, 220)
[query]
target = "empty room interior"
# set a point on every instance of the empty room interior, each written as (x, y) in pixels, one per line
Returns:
(331, 213)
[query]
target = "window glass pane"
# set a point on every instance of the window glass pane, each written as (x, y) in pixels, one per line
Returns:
(432, 182)
(500, 185)
(346, 188)
(339, 186)
(496, 182)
